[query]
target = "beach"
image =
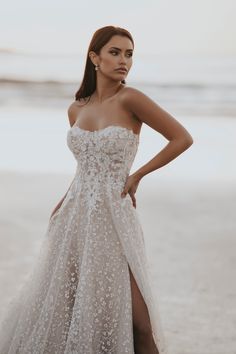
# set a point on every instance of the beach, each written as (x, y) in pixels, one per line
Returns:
(189, 230)
(186, 208)
(184, 59)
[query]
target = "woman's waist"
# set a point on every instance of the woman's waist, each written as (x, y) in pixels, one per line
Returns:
(101, 177)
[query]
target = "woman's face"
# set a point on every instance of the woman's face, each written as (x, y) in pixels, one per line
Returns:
(115, 54)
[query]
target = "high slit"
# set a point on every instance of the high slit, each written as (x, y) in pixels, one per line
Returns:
(77, 298)
(147, 309)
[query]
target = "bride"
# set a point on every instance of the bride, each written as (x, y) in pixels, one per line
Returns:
(89, 291)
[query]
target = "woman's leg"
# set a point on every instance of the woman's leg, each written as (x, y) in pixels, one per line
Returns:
(143, 338)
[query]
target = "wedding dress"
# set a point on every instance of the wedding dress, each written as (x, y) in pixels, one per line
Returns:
(77, 299)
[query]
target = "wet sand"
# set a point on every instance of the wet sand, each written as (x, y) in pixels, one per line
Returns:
(190, 235)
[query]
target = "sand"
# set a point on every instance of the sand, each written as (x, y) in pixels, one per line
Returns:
(190, 235)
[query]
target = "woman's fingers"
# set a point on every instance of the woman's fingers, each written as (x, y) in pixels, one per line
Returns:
(125, 191)
(132, 196)
(130, 187)
(133, 200)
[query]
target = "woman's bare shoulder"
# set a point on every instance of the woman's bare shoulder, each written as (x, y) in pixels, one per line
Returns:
(74, 108)
(72, 112)
(130, 93)
(77, 104)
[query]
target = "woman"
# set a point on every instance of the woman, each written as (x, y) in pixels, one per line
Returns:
(90, 291)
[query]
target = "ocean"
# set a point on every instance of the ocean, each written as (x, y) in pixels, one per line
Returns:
(36, 90)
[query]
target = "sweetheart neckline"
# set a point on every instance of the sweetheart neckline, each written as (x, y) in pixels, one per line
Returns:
(102, 129)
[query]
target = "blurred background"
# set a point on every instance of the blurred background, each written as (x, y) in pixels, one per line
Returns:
(184, 59)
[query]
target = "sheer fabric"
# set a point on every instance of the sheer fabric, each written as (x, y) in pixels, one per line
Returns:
(77, 299)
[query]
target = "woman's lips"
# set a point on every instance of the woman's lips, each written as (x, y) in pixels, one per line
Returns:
(122, 70)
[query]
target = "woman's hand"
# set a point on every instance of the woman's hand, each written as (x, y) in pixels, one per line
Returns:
(130, 187)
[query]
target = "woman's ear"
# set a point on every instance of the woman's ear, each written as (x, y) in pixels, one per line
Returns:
(92, 55)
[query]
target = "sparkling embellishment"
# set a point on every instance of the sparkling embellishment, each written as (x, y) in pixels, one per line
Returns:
(77, 299)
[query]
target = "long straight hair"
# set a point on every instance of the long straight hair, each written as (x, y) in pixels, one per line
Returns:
(99, 39)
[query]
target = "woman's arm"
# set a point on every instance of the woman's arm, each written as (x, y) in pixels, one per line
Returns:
(147, 111)
(72, 115)
(60, 203)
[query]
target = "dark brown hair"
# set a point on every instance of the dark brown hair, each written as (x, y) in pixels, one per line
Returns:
(99, 39)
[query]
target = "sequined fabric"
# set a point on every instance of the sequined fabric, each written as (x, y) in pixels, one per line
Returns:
(77, 299)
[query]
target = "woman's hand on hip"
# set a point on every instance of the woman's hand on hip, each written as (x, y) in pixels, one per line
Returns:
(130, 187)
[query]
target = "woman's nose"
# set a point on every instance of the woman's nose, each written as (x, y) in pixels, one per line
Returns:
(123, 59)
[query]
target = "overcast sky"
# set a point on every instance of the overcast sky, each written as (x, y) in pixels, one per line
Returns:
(161, 27)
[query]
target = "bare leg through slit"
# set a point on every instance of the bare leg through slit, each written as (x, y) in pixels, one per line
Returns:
(143, 338)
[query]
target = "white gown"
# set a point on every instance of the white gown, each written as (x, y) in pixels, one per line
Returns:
(77, 299)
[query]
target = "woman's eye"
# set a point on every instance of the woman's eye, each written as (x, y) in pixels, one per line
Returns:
(129, 54)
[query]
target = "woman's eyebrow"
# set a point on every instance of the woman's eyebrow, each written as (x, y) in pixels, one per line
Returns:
(120, 49)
